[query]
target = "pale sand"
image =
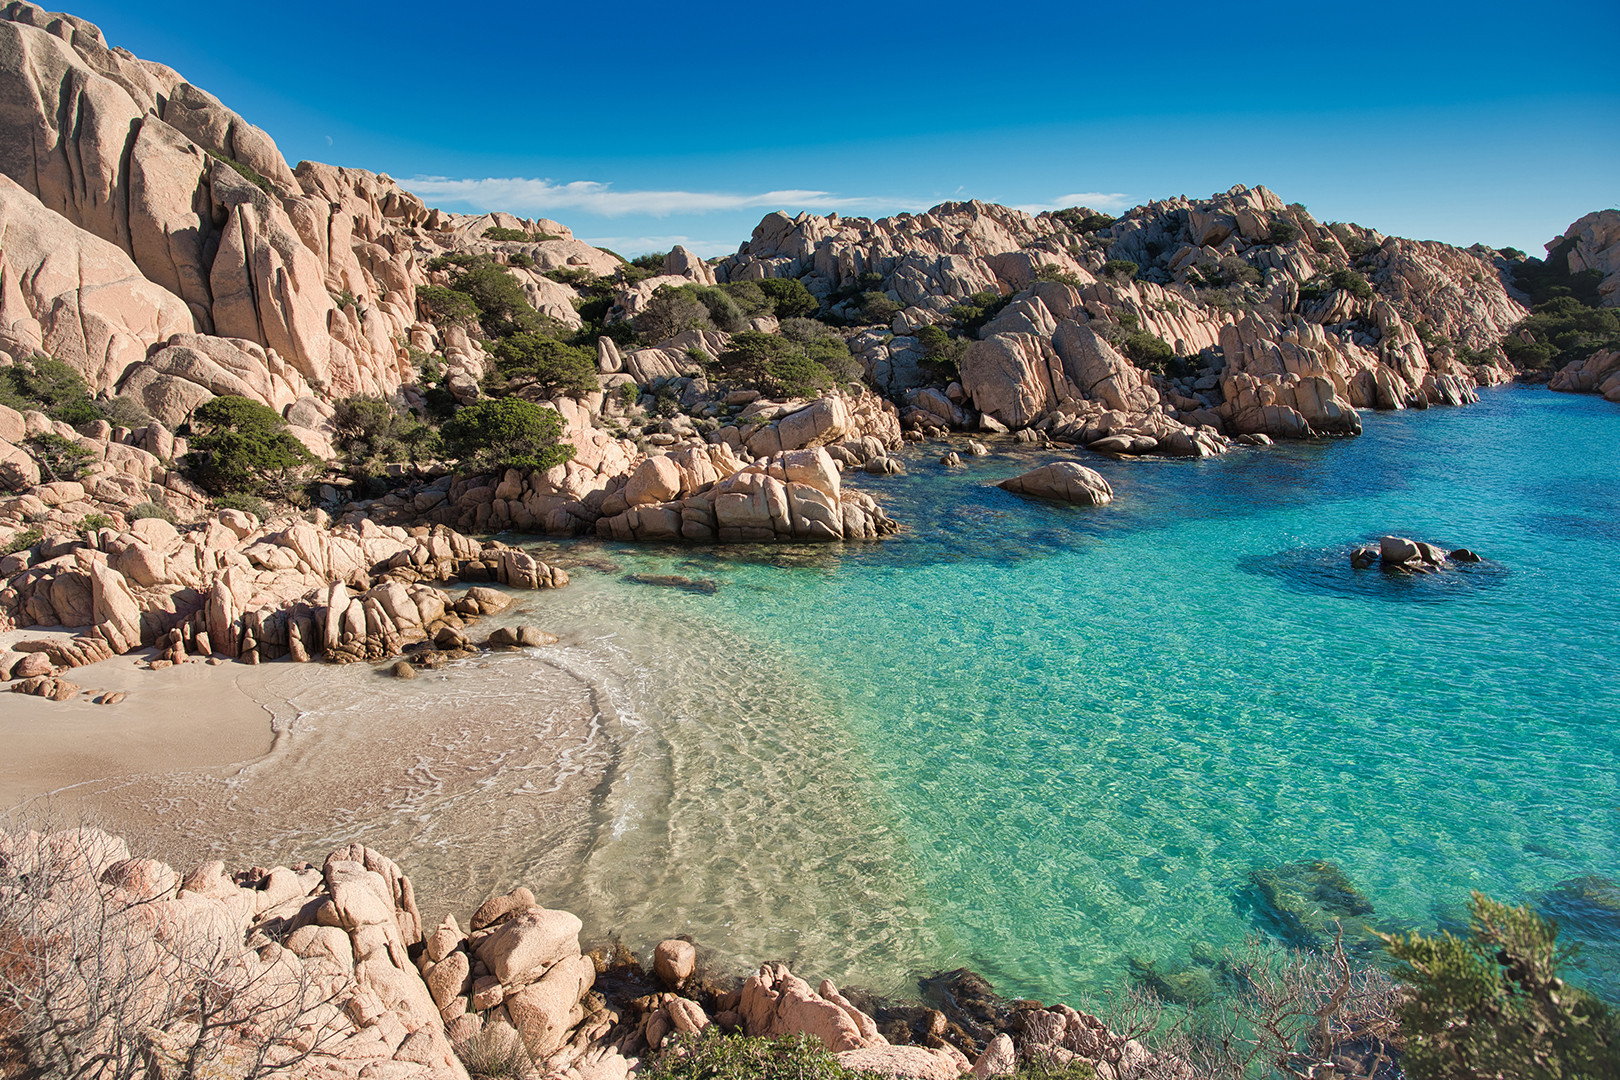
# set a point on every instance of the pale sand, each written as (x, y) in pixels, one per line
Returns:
(460, 775)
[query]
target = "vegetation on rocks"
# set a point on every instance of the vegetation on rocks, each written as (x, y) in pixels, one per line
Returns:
(58, 458)
(544, 362)
(711, 1055)
(239, 446)
(369, 432)
(1566, 320)
(50, 386)
(780, 364)
(1494, 1004)
(506, 433)
(22, 541)
(496, 232)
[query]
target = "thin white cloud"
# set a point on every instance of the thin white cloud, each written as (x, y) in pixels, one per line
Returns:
(640, 245)
(1095, 200)
(536, 196)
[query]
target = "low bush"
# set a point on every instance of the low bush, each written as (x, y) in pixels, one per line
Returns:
(876, 307)
(1347, 280)
(711, 1055)
(21, 541)
(671, 311)
(1120, 268)
(1147, 350)
(789, 298)
(51, 386)
(59, 458)
(942, 354)
(1053, 272)
(496, 232)
(778, 365)
(979, 309)
(246, 172)
(651, 264)
(240, 446)
(1078, 220)
(1282, 231)
(93, 522)
(247, 504)
(1494, 1004)
(142, 511)
(1562, 330)
(507, 433)
(369, 432)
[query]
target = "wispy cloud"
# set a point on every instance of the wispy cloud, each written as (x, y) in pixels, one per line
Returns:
(534, 196)
(1096, 200)
(641, 245)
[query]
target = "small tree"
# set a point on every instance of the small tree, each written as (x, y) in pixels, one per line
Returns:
(557, 368)
(1120, 268)
(51, 386)
(671, 311)
(243, 446)
(59, 458)
(790, 298)
(507, 433)
(1493, 1005)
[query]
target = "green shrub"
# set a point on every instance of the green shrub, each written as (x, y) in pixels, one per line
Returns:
(369, 431)
(942, 354)
(778, 365)
(22, 541)
(711, 1055)
(93, 522)
(980, 308)
(1347, 280)
(247, 504)
(1078, 220)
(1147, 350)
(555, 367)
(496, 232)
(124, 412)
(521, 258)
(629, 394)
(1563, 330)
(344, 299)
(1053, 272)
(240, 446)
(651, 264)
(142, 511)
(1282, 231)
(1494, 1005)
(876, 307)
(789, 298)
(247, 172)
(502, 307)
(507, 433)
(51, 386)
(58, 458)
(1120, 268)
(440, 305)
(577, 276)
(671, 311)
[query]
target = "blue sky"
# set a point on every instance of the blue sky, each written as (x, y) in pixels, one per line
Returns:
(640, 125)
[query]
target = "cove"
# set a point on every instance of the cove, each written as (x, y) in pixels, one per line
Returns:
(1074, 737)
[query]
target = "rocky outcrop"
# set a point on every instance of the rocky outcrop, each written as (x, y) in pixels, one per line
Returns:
(296, 959)
(1593, 243)
(1597, 374)
(1062, 481)
(242, 590)
(797, 494)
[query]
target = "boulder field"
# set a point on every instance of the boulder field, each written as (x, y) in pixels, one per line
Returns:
(330, 972)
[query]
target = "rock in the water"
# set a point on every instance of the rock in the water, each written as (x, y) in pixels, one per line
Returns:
(1463, 555)
(402, 669)
(674, 961)
(1363, 557)
(1062, 481)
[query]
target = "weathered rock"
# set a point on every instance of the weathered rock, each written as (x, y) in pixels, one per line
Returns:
(675, 961)
(528, 943)
(1062, 481)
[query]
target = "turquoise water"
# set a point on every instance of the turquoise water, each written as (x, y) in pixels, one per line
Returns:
(1072, 733)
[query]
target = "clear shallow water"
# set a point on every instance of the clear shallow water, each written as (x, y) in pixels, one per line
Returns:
(1072, 734)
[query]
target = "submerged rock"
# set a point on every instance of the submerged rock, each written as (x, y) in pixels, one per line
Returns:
(707, 586)
(1305, 903)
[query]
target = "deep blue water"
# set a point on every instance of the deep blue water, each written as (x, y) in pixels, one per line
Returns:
(1087, 736)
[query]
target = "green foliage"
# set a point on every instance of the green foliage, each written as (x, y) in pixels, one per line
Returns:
(22, 541)
(711, 1055)
(555, 367)
(1078, 220)
(942, 354)
(496, 232)
(369, 432)
(1148, 351)
(1347, 280)
(629, 394)
(93, 522)
(672, 310)
(502, 307)
(778, 365)
(124, 412)
(1492, 1005)
(577, 276)
(144, 510)
(247, 172)
(58, 458)
(240, 446)
(651, 264)
(344, 299)
(1041, 1066)
(1120, 268)
(1551, 279)
(1282, 231)
(1512, 254)
(520, 258)
(1054, 272)
(50, 385)
(789, 298)
(507, 433)
(441, 306)
(876, 307)
(980, 308)
(247, 504)
(1563, 330)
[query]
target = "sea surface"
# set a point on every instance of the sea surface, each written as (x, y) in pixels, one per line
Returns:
(1066, 747)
